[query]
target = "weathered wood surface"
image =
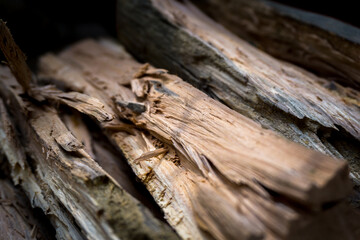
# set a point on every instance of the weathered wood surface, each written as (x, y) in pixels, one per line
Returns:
(76, 187)
(209, 168)
(17, 218)
(38, 192)
(324, 45)
(101, 150)
(282, 97)
(75, 183)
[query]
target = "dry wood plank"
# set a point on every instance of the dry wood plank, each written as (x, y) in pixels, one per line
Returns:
(280, 96)
(210, 180)
(322, 44)
(101, 208)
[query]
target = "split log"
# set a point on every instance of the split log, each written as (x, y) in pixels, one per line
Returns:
(280, 96)
(214, 172)
(322, 44)
(74, 186)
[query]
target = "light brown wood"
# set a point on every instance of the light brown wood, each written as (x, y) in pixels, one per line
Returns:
(89, 195)
(213, 171)
(101, 207)
(282, 97)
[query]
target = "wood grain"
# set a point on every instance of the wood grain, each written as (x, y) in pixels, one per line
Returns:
(76, 183)
(220, 171)
(280, 96)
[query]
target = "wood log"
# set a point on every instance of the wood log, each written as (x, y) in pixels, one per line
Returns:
(214, 172)
(322, 44)
(76, 184)
(280, 96)
(76, 187)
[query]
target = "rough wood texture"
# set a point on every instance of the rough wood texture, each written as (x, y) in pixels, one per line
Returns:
(76, 183)
(213, 172)
(102, 151)
(38, 192)
(17, 220)
(322, 44)
(279, 96)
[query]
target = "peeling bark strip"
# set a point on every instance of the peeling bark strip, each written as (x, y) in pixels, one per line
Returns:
(100, 207)
(208, 167)
(324, 45)
(279, 96)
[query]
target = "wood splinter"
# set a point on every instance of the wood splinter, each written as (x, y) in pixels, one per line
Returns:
(150, 154)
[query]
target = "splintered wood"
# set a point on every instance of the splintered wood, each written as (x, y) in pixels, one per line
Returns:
(82, 200)
(74, 179)
(282, 97)
(215, 173)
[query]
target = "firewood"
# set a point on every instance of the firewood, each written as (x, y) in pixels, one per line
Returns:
(92, 197)
(101, 208)
(280, 96)
(214, 172)
(322, 44)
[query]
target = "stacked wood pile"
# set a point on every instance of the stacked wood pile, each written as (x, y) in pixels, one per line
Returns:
(236, 145)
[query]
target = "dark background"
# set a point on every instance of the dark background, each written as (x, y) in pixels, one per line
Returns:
(39, 26)
(345, 10)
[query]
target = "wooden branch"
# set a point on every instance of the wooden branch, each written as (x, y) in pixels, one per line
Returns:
(324, 45)
(212, 171)
(275, 94)
(101, 208)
